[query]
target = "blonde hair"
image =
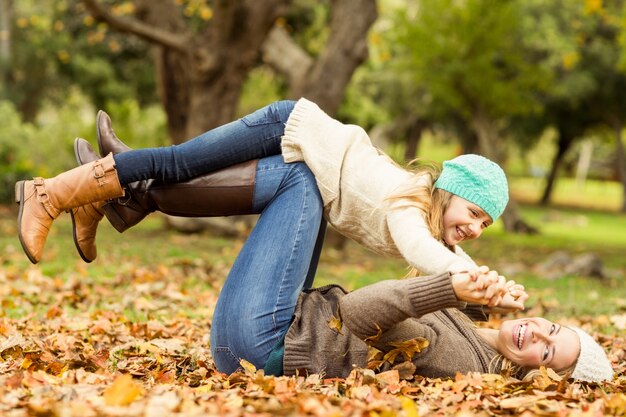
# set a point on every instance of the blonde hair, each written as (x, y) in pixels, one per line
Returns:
(431, 201)
(501, 365)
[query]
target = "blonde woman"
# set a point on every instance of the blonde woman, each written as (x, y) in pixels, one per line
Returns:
(421, 217)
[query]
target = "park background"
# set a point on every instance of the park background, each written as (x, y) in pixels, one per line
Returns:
(536, 85)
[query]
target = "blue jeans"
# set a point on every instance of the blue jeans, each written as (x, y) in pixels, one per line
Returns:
(278, 260)
(255, 136)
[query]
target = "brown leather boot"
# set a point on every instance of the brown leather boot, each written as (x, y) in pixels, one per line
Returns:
(85, 218)
(226, 192)
(42, 200)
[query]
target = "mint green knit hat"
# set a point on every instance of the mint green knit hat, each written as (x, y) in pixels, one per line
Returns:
(477, 180)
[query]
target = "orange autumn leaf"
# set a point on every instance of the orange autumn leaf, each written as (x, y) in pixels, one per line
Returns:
(122, 391)
(407, 349)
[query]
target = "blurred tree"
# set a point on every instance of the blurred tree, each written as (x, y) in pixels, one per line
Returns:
(473, 71)
(25, 74)
(52, 49)
(6, 15)
(580, 45)
(205, 50)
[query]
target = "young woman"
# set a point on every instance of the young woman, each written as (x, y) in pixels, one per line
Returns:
(419, 216)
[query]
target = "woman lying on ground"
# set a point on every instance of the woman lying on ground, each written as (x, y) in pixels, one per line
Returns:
(268, 314)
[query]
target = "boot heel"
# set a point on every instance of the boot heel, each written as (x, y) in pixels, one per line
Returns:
(19, 199)
(19, 191)
(118, 221)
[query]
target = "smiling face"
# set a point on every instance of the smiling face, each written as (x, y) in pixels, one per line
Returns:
(533, 342)
(463, 220)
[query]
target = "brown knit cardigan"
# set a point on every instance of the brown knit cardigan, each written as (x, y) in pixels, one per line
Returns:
(388, 311)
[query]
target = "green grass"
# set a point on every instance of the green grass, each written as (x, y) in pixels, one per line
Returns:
(591, 194)
(151, 252)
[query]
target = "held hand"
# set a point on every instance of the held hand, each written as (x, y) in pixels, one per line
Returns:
(474, 274)
(513, 300)
(484, 276)
(486, 289)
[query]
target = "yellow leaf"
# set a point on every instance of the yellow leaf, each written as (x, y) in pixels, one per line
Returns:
(26, 363)
(335, 324)
(122, 391)
(570, 60)
(247, 366)
(204, 389)
(551, 373)
(616, 403)
(408, 406)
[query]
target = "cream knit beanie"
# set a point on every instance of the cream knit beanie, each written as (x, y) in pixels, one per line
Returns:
(592, 364)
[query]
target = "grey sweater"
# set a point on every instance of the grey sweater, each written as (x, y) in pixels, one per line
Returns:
(395, 310)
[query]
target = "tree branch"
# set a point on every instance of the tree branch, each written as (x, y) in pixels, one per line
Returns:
(345, 50)
(285, 56)
(151, 34)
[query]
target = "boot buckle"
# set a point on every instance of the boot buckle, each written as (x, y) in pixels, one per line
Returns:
(98, 171)
(40, 189)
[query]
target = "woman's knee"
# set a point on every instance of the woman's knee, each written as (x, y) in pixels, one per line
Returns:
(225, 360)
(236, 339)
(303, 176)
(283, 109)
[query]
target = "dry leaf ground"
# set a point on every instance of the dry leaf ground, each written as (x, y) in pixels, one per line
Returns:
(129, 337)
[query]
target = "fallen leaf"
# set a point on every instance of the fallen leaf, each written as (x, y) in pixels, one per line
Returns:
(407, 349)
(376, 337)
(247, 367)
(408, 406)
(122, 391)
(335, 324)
(388, 377)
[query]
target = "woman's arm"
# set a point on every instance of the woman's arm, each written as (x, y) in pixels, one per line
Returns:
(376, 308)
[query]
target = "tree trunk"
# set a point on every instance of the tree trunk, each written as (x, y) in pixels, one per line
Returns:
(620, 161)
(413, 137)
(488, 136)
(6, 16)
(345, 50)
(491, 147)
(173, 87)
(469, 141)
(563, 145)
(201, 73)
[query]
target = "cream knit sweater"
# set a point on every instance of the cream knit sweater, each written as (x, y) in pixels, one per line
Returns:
(354, 179)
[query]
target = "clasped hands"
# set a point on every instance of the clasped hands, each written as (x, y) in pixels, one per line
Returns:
(486, 287)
